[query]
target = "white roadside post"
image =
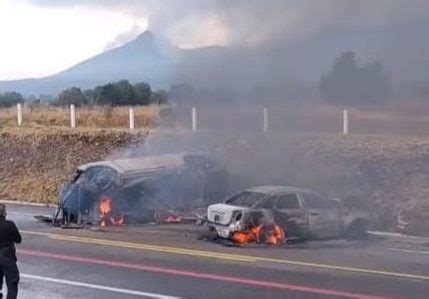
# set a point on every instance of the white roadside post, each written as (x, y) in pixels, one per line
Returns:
(72, 116)
(345, 122)
(131, 117)
(19, 113)
(194, 119)
(265, 122)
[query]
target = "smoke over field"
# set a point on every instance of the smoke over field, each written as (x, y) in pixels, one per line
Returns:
(386, 175)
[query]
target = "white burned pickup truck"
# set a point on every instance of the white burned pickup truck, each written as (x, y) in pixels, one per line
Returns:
(300, 213)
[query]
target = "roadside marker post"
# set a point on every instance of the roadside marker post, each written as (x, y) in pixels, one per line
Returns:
(345, 122)
(194, 119)
(265, 121)
(72, 116)
(19, 113)
(131, 117)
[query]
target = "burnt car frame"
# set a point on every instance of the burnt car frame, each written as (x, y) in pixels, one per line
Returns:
(138, 190)
(301, 213)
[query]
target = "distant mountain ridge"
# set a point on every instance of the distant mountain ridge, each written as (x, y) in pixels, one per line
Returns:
(276, 66)
(139, 60)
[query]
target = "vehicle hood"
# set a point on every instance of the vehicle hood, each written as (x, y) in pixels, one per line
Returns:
(222, 213)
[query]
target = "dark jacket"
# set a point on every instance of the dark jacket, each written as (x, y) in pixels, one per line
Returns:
(9, 235)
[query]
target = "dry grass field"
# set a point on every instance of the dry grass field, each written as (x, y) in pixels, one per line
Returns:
(36, 162)
(86, 117)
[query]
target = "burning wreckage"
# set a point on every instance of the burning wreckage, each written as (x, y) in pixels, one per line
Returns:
(160, 188)
(177, 188)
(276, 214)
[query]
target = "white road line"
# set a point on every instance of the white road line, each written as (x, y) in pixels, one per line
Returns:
(98, 287)
(404, 250)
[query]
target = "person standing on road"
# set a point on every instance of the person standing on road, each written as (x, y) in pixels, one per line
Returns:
(9, 235)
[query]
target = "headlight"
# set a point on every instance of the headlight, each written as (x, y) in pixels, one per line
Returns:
(236, 216)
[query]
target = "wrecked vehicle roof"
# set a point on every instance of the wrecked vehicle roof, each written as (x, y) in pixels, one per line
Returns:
(144, 164)
(278, 189)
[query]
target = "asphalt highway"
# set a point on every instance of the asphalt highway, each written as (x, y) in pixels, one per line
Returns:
(173, 261)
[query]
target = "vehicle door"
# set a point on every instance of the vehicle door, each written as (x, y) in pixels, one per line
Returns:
(323, 216)
(289, 213)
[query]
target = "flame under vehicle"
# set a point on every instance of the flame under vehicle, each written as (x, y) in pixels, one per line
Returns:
(260, 214)
(140, 190)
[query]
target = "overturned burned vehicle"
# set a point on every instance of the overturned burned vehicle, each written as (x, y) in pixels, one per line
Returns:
(272, 214)
(148, 189)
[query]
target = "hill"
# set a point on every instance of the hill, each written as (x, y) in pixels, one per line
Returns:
(279, 65)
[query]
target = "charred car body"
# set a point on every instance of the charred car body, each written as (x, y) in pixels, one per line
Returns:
(139, 190)
(300, 213)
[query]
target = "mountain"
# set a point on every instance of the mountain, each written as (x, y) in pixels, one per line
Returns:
(279, 66)
(143, 59)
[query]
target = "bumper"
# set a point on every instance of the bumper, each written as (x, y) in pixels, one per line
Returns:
(225, 231)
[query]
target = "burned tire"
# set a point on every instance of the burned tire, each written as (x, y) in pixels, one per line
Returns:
(357, 230)
(266, 232)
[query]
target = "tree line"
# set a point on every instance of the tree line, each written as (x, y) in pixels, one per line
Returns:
(121, 93)
(8, 99)
(347, 83)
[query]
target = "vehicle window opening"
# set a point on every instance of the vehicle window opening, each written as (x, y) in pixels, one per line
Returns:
(288, 201)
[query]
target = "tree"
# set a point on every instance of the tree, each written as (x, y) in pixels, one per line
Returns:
(143, 93)
(107, 95)
(73, 95)
(9, 99)
(122, 93)
(126, 92)
(349, 84)
(119, 93)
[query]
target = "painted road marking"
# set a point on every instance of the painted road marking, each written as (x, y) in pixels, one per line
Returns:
(226, 256)
(141, 246)
(207, 276)
(97, 287)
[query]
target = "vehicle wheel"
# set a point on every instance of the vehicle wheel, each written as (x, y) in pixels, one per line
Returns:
(357, 230)
(268, 231)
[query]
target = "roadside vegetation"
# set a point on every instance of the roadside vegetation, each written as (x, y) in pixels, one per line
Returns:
(121, 93)
(9, 99)
(86, 116)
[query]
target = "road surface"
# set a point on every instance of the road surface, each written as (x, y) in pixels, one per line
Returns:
(171, 261)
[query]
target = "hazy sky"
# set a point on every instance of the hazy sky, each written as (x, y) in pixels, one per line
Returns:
(42, 37)
(41, 40)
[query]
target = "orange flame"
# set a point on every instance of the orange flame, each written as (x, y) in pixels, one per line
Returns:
(105, 206)
(273, 235)
(247, 236)
(243, 237)
(105, 209)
